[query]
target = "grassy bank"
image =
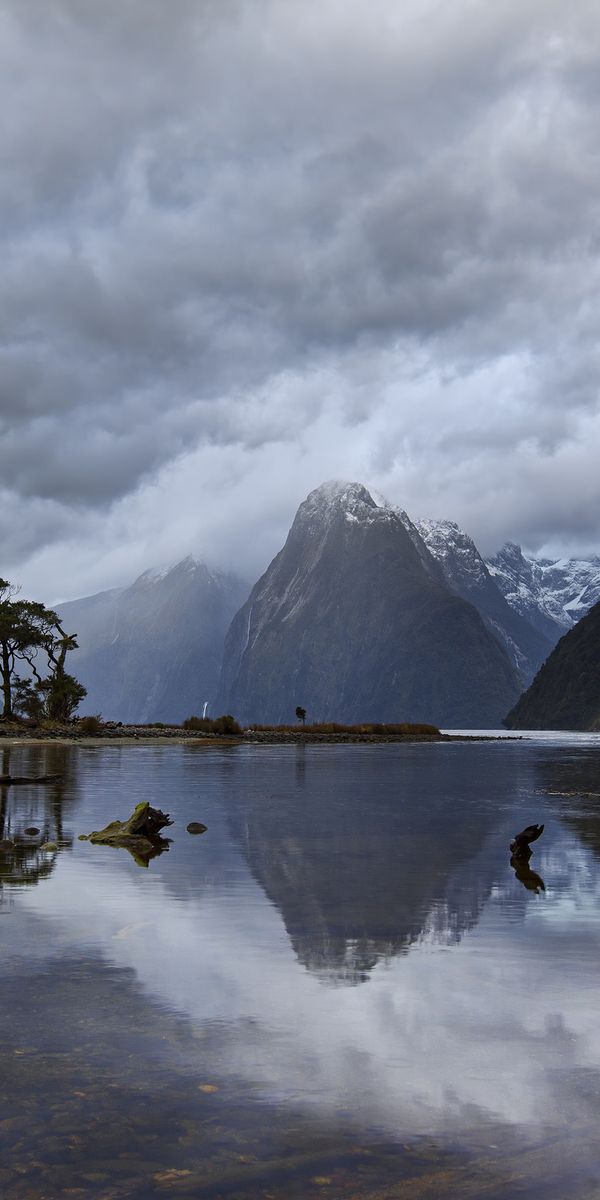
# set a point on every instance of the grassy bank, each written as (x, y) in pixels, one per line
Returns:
(92, 729)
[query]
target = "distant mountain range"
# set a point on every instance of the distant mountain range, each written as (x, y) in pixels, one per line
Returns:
(152, 651)
(550, 594)
(363, 615)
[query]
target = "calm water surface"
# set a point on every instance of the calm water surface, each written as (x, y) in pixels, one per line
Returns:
(342, 989)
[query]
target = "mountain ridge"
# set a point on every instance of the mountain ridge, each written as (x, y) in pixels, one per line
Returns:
(153, 649)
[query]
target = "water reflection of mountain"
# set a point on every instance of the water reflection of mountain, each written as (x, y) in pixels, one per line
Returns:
(573, 783)
(39, 807)
(379, 862)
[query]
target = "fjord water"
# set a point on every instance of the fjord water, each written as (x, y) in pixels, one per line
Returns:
(341, 989)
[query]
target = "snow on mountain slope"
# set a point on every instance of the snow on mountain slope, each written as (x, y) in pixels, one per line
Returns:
(552, 594)
(466, 573)
(457, 554)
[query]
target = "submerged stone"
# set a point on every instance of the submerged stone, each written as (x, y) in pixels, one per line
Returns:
(196, 827)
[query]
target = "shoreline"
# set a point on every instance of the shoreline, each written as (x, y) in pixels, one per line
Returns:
(140, 735)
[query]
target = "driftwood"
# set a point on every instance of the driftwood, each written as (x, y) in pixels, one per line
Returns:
(140, 833)
(520, 845)
(6, 780)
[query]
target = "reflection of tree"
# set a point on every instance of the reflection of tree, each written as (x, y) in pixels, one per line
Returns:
(39, 806)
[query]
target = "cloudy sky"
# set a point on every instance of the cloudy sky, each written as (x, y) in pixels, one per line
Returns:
(249, 245)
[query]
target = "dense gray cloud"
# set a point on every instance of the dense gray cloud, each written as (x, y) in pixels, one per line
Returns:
(252, 244)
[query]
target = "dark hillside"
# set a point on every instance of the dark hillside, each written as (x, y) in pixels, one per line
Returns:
(565, 693)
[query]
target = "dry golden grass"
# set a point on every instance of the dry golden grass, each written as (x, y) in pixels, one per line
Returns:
(404, 727)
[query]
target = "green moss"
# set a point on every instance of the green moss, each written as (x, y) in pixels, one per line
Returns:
(139, 834)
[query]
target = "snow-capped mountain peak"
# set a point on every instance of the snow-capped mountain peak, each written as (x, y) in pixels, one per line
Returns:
(181, 568)
(455, 551)
(340, 495)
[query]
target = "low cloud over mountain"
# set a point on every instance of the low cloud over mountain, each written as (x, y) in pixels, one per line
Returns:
(250, 245)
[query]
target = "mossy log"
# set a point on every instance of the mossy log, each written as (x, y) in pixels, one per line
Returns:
(140, 833)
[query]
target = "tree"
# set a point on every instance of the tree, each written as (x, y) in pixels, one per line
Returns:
(301, 714)
(55, 697)
(30, 634)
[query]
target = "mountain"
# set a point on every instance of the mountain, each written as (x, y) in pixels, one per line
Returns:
(551, 594)
(565, 694)
(466, 573)
(152, 651)
(353, 621)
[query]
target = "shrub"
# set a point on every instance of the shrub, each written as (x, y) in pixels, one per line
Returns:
(226, 724)
(90, 725)
(378, 727)
(223, 724)
(202, 724)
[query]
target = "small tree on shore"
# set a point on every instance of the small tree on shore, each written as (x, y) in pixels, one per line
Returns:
(301, 714)
(32, 635)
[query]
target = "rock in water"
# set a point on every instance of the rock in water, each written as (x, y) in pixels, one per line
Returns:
(196, 827)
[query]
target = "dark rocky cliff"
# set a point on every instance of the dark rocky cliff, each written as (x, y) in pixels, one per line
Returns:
(351, 623)
(565, 693)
